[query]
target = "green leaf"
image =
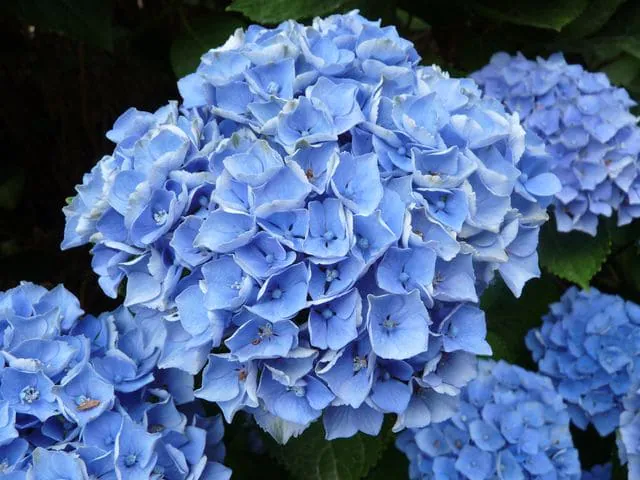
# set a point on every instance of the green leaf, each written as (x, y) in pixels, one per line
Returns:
(275, 11)
(311, 457)
(510, 318)
(11, 191)
(392, 464)
(574, 256)
(550, 14)
(622, 70)
(199, 36)
(84, 20)
(592, 19)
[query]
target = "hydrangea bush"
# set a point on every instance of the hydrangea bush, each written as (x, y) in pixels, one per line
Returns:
(316, 223)
(511, 424)
(589, 345)
(81, 396)
(588, 128)
(628, 435)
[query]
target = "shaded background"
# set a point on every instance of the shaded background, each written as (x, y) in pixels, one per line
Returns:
(68, 68)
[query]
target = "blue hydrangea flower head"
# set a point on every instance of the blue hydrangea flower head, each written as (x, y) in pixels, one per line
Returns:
(628, 434)
(587, 127)
(322, 214)
(587, 345)
(511, 424)
(83, 397)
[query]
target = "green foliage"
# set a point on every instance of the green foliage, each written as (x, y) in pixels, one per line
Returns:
(311, 457)
(551, 14)
(573, 256)
(509, 318)
(393, 464)
(275, 11)
(593, 18)
(200, 35)
(11, 190)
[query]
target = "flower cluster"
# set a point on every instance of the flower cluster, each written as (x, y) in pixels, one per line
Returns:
(511, 424)
(586, 125)
(321, 214)
(589, 345)
(628, 435)
(81, 397)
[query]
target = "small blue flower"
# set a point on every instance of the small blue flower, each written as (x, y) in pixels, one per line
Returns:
(228, 287)
(349, 373)
(398, 325)
(334, 324)
(356, 182)
(56, 465)
(284, 294)
(260, 338)
(263, 257)
(223, 232)
(301, 402)
(84, 397)
(28, 392)
(303, 122)
(403, 270)
(229, 383)
(330, 227)
(134, 451)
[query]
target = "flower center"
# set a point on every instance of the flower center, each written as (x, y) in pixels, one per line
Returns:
(327, 313)
(266, 330)
(156, 428)
(276, 294)
(332, 274)
(389, 323)
(363, 243)
(130, 460)
(272, 88)
(403, 277)
(359, 363)
(269, 258)
(160, 216)
(29, 394)
(297, 390)
(329, 235)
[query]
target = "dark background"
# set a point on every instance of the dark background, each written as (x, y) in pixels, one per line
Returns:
(68, 68)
